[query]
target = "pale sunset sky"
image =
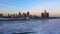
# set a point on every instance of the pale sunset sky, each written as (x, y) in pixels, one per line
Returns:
(33, 6)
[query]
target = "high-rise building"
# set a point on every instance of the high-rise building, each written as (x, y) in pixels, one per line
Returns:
(28, 15)
(23, 15)
(16, 15)
(1, 15)
(9, 16)
(42, 15)
(13, 16)
(45, 14)
(19, 15)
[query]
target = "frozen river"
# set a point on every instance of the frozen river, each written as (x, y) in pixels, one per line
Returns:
(45, 26)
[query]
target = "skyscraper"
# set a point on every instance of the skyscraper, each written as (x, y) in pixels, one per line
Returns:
(45, 14)
(28, 15)
(9, 16)
(1, 15)
(23, 15)
(19, 15)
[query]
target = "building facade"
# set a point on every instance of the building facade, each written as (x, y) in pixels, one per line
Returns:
(45, 14)
(1, 15)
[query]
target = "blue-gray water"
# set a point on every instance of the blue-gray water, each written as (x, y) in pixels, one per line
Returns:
(46, 26)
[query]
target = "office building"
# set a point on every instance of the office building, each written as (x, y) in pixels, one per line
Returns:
(1, 15)
(45, 14)
(9, 16)
(19, 15)
(28, 15)
(23, 15)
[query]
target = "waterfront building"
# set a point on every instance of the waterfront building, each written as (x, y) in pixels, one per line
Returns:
(9, 16)
(13, 16)
(24, 16)
(16, 15)
(28, 15)
(1, 15)
(19, 15)
(45, 14)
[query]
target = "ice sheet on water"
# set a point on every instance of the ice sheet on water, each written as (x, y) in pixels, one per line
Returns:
(50, 26)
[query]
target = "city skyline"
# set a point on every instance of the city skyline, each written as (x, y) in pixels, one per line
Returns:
(35, 7)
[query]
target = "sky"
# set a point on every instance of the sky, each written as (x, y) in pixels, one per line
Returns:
(35, 7)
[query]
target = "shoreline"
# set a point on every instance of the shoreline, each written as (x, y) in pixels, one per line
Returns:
(19, 19)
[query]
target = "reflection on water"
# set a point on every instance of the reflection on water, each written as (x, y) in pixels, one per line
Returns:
(27, 26)
(45, 21)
